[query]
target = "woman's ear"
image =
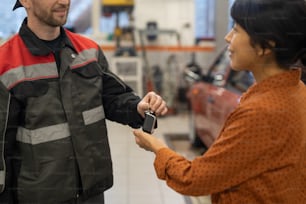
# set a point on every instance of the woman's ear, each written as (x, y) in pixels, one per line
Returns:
(265, 51)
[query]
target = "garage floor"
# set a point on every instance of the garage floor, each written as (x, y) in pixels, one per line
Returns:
(135, 181)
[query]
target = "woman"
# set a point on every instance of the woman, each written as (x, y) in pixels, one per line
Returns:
(260, 154)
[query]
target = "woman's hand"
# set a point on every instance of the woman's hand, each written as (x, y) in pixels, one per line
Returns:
(148, 142)
(152, 102)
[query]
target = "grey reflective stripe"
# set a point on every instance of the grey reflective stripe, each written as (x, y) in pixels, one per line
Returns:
(28, 73)
(93, 115)
(2, 177)
(85, 57)
(42, 135)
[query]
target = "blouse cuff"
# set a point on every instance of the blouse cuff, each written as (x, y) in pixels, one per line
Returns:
(160, 163)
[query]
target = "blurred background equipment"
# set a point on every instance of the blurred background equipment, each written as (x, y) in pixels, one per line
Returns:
(152, 30)
(111, 6)
(214, 97)
(151, 33)
(170, 85)
(125, 62)
(158, 78)
(124, 36)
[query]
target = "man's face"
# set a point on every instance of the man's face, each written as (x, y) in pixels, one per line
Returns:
(50, 12)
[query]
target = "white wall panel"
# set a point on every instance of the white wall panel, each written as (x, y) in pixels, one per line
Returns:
(169, 14)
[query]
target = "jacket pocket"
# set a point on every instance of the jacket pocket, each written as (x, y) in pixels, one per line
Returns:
(89, 71)
(35, 102)
(89, 80)
(30, 89)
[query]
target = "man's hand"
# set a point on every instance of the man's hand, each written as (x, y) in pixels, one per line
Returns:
(152, 102)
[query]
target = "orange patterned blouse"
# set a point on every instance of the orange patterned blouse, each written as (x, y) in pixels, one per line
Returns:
(260, 154)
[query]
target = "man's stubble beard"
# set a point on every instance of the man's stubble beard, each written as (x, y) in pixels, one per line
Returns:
(50, 20)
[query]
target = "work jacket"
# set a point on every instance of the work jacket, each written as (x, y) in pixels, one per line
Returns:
(52, 118)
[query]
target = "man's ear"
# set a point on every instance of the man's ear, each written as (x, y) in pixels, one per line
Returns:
(265, 51)
(25, 3)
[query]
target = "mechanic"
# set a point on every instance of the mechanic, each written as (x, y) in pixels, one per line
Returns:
(56, 93)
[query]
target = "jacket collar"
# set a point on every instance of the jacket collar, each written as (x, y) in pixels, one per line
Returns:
(36, 46)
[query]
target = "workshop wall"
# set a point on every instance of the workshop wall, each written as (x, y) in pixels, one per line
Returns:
(178, 15)
(169, 14)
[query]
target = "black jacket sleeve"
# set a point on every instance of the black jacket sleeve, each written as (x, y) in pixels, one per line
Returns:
(119, 100)
(9, 110)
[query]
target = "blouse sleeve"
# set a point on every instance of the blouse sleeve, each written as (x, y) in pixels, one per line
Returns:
(243, 150)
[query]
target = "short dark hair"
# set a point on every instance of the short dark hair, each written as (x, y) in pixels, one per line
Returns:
(280, 21)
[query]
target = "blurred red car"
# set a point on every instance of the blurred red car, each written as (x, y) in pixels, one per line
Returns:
(213, 98)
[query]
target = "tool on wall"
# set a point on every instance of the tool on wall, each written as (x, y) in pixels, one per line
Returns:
(152, 34)
(125, 40)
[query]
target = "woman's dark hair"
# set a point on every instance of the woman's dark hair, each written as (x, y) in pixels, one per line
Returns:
(282, 22)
